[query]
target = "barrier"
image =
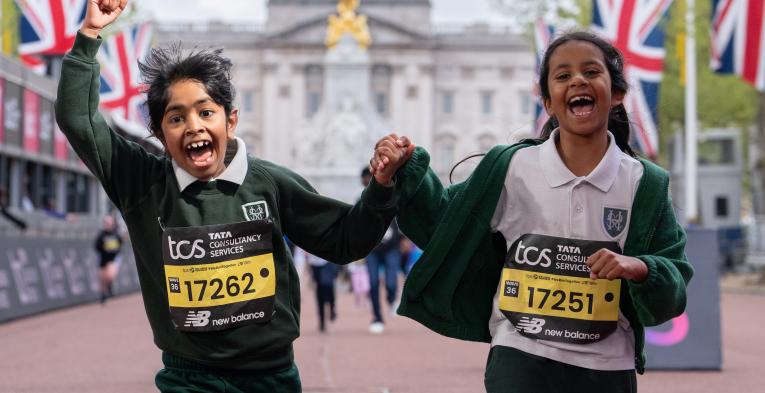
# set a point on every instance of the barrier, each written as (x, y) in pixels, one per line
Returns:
(692, 340)
(42, 272)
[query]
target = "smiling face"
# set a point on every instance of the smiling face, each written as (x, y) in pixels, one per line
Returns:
(581, 96)
(195, 129)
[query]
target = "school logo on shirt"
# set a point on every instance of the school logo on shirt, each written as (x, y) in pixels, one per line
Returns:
(255, 211)
(614, 220)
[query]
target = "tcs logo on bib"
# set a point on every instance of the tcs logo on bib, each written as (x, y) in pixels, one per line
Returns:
(532, 256)
(184, 249)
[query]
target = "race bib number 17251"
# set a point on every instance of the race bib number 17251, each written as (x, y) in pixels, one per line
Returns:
(546, 291)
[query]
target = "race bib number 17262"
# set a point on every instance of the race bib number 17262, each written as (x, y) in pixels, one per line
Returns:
(220, 276)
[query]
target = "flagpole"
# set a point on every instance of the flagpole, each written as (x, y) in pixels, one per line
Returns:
(757, 157)
(691, 118)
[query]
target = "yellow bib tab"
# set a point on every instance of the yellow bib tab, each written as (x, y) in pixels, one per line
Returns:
(221, 283)
(559, 296)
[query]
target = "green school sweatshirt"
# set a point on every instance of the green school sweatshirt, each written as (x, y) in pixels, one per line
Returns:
(145, 190)
(451, 288)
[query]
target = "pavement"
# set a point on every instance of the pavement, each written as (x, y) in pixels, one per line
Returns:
(95, 348)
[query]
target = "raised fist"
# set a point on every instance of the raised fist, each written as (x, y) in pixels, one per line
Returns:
(99, 14)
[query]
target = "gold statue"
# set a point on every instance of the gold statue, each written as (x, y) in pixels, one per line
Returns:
(347, 22)
(347, 6)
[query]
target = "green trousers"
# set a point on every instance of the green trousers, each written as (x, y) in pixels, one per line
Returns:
(188, 377)
(509, 370)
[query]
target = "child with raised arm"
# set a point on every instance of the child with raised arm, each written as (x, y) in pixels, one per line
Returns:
(556, 251)
(207, 221)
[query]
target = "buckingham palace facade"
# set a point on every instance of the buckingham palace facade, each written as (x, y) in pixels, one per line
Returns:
(455, 90)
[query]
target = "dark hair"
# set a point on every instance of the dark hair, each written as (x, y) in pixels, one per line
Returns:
(165, 66)
(365, 172)
(618, 121)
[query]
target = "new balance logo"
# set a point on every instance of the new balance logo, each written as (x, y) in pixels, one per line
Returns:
(530, 325)
(197, 318)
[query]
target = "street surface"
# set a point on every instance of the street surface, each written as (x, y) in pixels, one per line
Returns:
(96, 348)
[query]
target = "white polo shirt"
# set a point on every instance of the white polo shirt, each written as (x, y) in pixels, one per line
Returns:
(541, 196)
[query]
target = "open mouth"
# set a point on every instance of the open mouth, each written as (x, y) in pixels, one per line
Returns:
(200, 152)
(581, 105)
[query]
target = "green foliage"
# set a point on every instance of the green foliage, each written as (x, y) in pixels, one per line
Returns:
(585, 12)
(9, 27)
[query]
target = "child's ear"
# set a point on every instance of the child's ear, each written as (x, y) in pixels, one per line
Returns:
(161, 136)
(617, 98)
(231, 122)
(548, 106)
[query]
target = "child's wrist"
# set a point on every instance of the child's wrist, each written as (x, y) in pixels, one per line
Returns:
(91, 32)
(385, 182)
(640, 271)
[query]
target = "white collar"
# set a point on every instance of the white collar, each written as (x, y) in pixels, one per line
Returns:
(234, 172)
(557, 173)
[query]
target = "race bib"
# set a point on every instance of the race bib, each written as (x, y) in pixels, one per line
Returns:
(547, 293)
(220, 276)
(111, 243)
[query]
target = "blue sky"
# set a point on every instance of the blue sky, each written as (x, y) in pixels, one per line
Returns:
(444, 11)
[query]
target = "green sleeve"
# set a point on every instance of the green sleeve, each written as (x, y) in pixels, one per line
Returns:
(124, 168)
(424, 199)
(333, 230)
(662, 295)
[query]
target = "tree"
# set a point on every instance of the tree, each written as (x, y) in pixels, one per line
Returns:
(9, 27)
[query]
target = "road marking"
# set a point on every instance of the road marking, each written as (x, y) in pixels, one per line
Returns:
(324, 360)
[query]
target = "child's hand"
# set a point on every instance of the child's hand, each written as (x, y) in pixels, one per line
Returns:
(608, 264)
(391, 152)
(99, 14)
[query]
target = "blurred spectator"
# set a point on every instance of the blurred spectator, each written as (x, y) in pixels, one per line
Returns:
(108, 245)
(359, 282)
(410, 253)
(26, 203)
(387, 257)
(19, 223)
(49, 207)
(324, 274)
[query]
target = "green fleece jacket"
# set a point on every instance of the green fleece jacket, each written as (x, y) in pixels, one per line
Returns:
(145, 190)
(451, 288)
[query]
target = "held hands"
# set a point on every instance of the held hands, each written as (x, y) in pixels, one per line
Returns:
(610, 265)
(99, 14)
(391, 153)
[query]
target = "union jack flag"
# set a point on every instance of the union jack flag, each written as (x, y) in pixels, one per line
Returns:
(738, 39)
(634, 27)
(543, 35)
(120, 78)
(48, 27)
